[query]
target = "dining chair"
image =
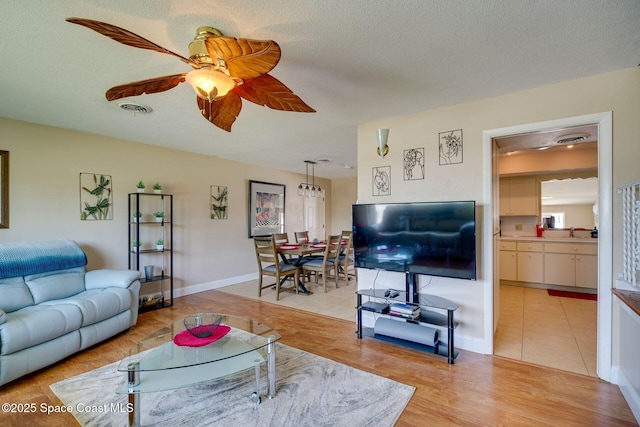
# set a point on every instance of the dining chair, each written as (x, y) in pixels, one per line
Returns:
(269, 264)
(346, 258)
(281, 238)
(328, 262)
(301, 236)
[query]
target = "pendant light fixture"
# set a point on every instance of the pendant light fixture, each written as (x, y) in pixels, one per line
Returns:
(313, 190)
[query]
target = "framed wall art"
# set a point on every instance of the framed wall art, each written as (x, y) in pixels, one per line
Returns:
(266, 208)
(219, 202)
(413, 164)
(382, 181)
(450, 147)
(95, 197)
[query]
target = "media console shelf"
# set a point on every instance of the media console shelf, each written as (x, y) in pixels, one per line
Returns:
(427, 317)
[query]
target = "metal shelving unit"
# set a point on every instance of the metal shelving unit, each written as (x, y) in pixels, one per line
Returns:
(157, 288)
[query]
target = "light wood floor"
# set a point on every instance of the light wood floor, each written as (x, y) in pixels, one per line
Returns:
(478, 390)
(533, 326)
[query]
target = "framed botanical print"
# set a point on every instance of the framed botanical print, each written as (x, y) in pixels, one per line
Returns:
(96, 200)
(219, 202)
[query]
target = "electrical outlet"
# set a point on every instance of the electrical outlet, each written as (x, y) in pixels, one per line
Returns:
(518, 227)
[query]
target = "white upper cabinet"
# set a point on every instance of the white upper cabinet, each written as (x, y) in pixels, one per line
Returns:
(519, 197)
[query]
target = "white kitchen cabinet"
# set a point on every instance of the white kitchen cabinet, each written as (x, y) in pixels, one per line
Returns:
(571, 264)
(508, 261)
(508, 265)
(519, 197)
(587, 271)
(560, 269)
(530, 262)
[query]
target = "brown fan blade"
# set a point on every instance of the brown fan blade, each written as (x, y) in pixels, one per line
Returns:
(126, 37)
(155, 85)
(246, 59)
(222, 112)
(268, 91)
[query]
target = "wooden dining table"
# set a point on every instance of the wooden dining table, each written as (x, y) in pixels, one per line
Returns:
(300, 250)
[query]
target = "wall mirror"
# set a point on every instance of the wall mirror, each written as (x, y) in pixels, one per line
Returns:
(572, 202)
(4, 189)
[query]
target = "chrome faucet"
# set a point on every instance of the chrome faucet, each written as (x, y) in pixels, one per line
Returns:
(571, 232)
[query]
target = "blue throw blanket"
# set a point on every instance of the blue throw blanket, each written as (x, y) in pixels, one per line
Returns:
(25, 258)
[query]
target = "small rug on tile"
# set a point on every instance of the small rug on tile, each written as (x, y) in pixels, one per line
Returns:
(568, 294)
(310, 391)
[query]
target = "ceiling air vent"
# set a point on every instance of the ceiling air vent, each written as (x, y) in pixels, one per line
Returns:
(571, 139)
(135, 108)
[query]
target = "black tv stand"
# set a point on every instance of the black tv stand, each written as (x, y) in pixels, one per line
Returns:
(427, 317)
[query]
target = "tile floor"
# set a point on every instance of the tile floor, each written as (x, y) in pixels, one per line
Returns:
(337, 302)
(551, 331)
(533, 326)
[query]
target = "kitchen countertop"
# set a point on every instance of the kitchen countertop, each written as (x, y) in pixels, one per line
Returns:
(549, 239)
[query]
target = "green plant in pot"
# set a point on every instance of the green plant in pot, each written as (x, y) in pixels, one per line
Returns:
(159, 216)
(140, 186)
(157, 188)
(160, 244)
(136, 216)
(135, 245)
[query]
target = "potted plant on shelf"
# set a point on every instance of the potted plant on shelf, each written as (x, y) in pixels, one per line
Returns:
(136, 216)
(135, 245)
(140, 186)
(160, 245)
(159, 216)
(157, 188)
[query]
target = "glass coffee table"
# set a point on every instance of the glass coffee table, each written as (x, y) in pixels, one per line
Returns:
(157, 364)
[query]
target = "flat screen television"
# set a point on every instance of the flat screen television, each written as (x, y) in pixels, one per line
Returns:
(431, 238)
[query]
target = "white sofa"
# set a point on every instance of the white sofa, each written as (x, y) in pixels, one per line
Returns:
(51, 307)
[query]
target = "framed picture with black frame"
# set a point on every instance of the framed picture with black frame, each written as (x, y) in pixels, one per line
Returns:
(266, 208)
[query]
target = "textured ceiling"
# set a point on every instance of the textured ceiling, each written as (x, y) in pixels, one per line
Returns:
(354, 62)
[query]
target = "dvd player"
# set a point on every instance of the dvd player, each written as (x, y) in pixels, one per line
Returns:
(377, 307)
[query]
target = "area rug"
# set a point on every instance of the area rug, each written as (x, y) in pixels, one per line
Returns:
(568, 294)
(311, 391)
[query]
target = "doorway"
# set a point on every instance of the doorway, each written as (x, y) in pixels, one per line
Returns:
(313, 215)
(491, 218)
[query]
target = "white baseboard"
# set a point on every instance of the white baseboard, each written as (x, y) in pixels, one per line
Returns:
(475, 345)
(207, 286)
(628, 391)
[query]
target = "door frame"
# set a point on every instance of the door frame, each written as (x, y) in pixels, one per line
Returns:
(604, 121)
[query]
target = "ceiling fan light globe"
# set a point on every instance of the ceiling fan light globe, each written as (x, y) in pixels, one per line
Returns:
(209, 84)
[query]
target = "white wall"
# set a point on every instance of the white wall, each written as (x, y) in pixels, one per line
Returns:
(617, 91)
(344, 193)
(45, 164)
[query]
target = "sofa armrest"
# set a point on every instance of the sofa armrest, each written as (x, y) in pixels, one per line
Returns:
(3, 316)
(110, 278)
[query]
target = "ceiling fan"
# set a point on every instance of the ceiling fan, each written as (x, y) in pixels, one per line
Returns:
(225, 69)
